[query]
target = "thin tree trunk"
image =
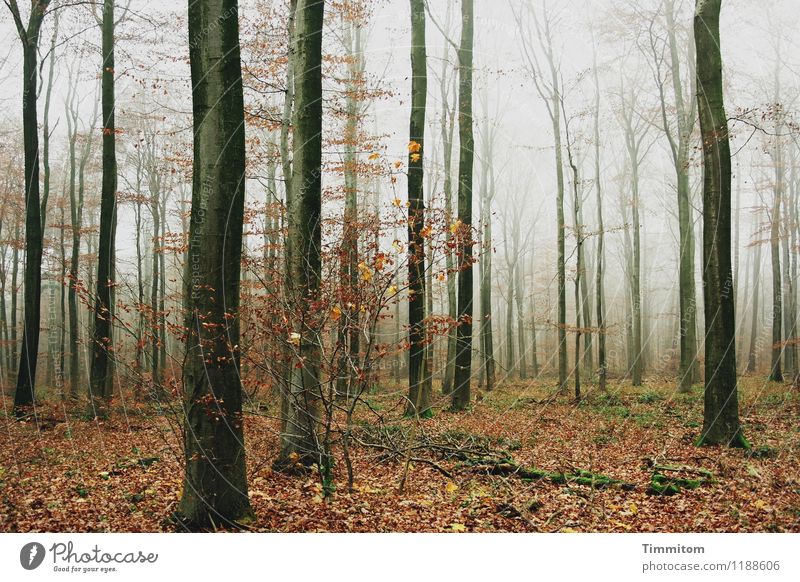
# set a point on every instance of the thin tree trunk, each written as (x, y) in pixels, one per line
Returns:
(487, 337)
(756, 282)
(447, 131)
(518, 296)
(463, 372)
(303, 261)
(776, 375)
(602, 364)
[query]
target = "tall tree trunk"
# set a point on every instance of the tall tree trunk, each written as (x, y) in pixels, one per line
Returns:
(62, 307)
(303, 245)
(560, 246)
(14, 300)
(46, 123)
(586, 307)
(418, 395)
(518, 296)
(788, 350)
(76, 215)
(141, 318)
(463, 372)
(487, 337)
(776, 374)
(792, 226)
(751, 353)
(101, 381)
(447, 131)
(534, 347)
(602, 364)
(721, 411)
(215, 483)
(154, 288)
(577, 229)
(26, 376)
(72, 300)
(162, 290)
(687, 304)
(636, 294)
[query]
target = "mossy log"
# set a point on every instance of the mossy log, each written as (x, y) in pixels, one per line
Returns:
(577, 477)
(662, 484)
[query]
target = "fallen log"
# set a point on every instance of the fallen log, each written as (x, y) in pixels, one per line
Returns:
(577, 477)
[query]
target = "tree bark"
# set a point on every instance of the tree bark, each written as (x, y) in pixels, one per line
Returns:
(721, 407)
(751, 353)
(776, 374)
(26, 375)
(686, 119)
(463, 371)
(101, 381)
(418, 390)
(301, 395)
(602, 364)
(215, 483)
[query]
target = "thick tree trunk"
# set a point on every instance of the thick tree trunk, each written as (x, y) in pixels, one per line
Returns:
(26, 375)
(101, 381)
(463, 371)
(418, 392)
(215, 483)
(721, 411)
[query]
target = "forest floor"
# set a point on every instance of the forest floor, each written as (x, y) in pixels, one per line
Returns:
(597, 462)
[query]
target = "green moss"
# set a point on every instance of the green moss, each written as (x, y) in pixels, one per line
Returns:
(738, 442)
(661, 484)
(649, 398)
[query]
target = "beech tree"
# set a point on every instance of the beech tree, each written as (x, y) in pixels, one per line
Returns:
(463, 371)
(418, 388)
(101, 378)
(34, 232)
(721, 410)
(215, 482)
(304, 239)
(600, 305)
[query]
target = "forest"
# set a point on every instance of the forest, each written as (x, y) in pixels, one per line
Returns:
(399, 266)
